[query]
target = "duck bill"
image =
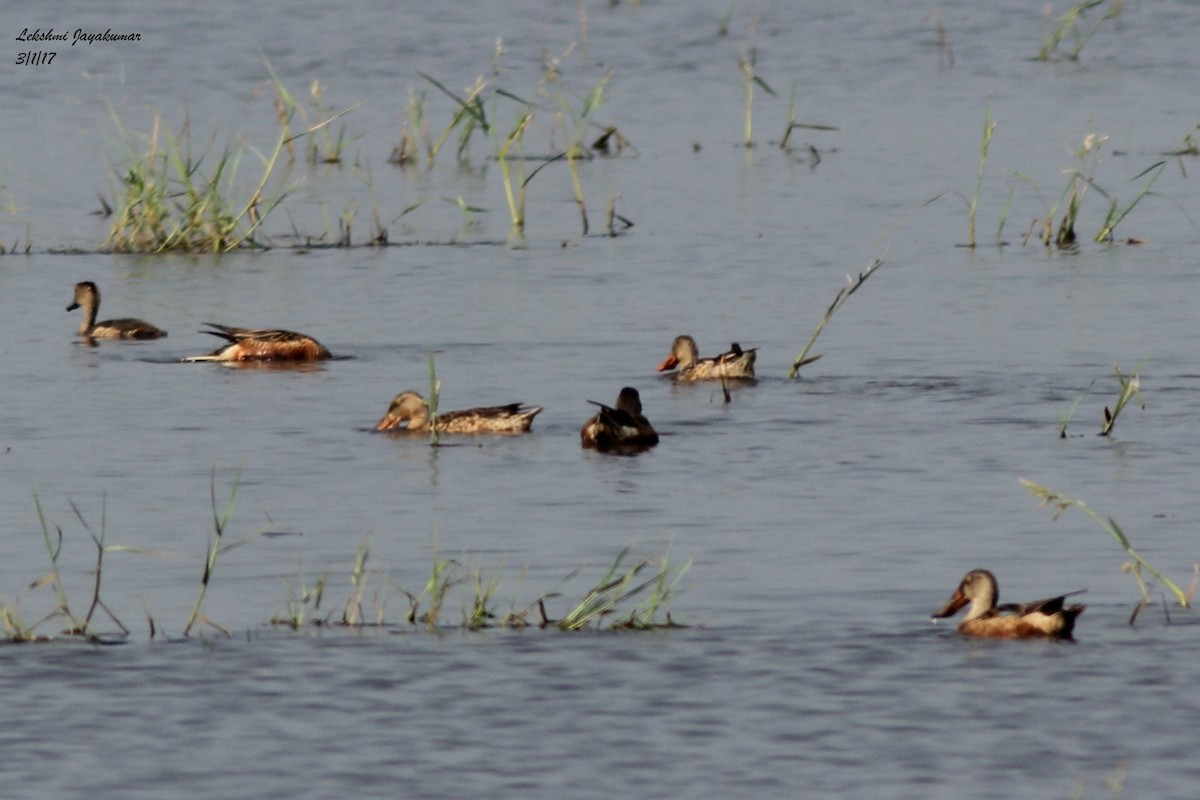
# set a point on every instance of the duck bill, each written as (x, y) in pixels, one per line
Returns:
(957, 601)
(670, 363)
(73, 306)
(388, 423)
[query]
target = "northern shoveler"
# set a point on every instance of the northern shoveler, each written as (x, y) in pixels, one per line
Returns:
(1049, 617)
(411, 408)
(736, 364)
(87, 297)
(250, 344)
(623, 428)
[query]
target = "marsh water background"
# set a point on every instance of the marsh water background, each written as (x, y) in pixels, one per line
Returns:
(825, 517)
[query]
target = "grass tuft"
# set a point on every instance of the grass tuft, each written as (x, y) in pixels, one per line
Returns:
(1070, 27)
(1061, 503)
(852, 286)
(1130, 389)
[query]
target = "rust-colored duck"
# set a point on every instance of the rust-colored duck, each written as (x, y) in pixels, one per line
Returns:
(87, 297)
(1042, 618)
(623, 428)
(737, 364)
(411, 410)
(262, 344)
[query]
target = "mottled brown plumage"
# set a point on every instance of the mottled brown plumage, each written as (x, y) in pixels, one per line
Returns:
(87, 297)
(622, 429)
(410, 408)
(251, 344)
(737, 364)
(1049, 617)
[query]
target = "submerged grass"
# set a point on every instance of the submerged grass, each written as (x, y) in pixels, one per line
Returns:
(16, 630)
(843, 294)
(1061, 503)
(748, 73)
(988, 128)
(1070, 28)
(1130, 389)
(166, 198)
(1080, 180)
(651, 583)
(163, 202)
(1065, 418)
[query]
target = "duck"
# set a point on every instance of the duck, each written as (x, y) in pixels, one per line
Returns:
(1050, 618)
(87, 297)
(411, 408)
(622, 428)
(254, 344)
(735, 364)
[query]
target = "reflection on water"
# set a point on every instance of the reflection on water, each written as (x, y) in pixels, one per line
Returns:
(825, 516)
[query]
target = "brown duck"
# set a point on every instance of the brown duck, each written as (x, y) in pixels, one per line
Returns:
(622, 428)
(736, 364)
(1049, 617)
(253, 344)
(411, 408)
(87, 297)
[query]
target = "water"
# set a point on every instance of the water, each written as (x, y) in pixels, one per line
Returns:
(825, 518)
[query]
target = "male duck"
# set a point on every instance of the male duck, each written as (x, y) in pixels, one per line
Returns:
(736, 364)
(87, 297)
(410, 407)
(249, 344)
(623, 428)
(1047, 617)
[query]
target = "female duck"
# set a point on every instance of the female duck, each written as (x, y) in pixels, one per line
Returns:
(249, 344)
(620, 428)
(87, 297)
(1047, 617)
(411, 408)
(736, 364)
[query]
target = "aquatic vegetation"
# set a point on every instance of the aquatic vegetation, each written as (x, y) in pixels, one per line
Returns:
(748, 74)
(216, 547)
(473, 106)
(445, 575)
(943, 38)
(988, 128)
(600, 607)
(1130, 389)
(1070, 27)
(168, 199)
(1116, 213)
(435, 391)
(852, 286)
(304, 603)
(574, 149)
(9, 212)
(793, 125)
(164, 203)
(1062, 502)
(17, 631)
(1080, 179)
(323, 147)
(1065, 418)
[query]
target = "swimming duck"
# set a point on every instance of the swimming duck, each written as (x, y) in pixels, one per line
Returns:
(620, 428)
(736, 364)
(249, 344)
(1047, 617)
(87, 297)
(410, 407)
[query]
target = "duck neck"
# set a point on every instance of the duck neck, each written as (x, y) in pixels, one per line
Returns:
(419, 420)
(91, 306)
(981, 604)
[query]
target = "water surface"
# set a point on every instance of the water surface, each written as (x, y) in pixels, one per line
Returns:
(825, 518)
